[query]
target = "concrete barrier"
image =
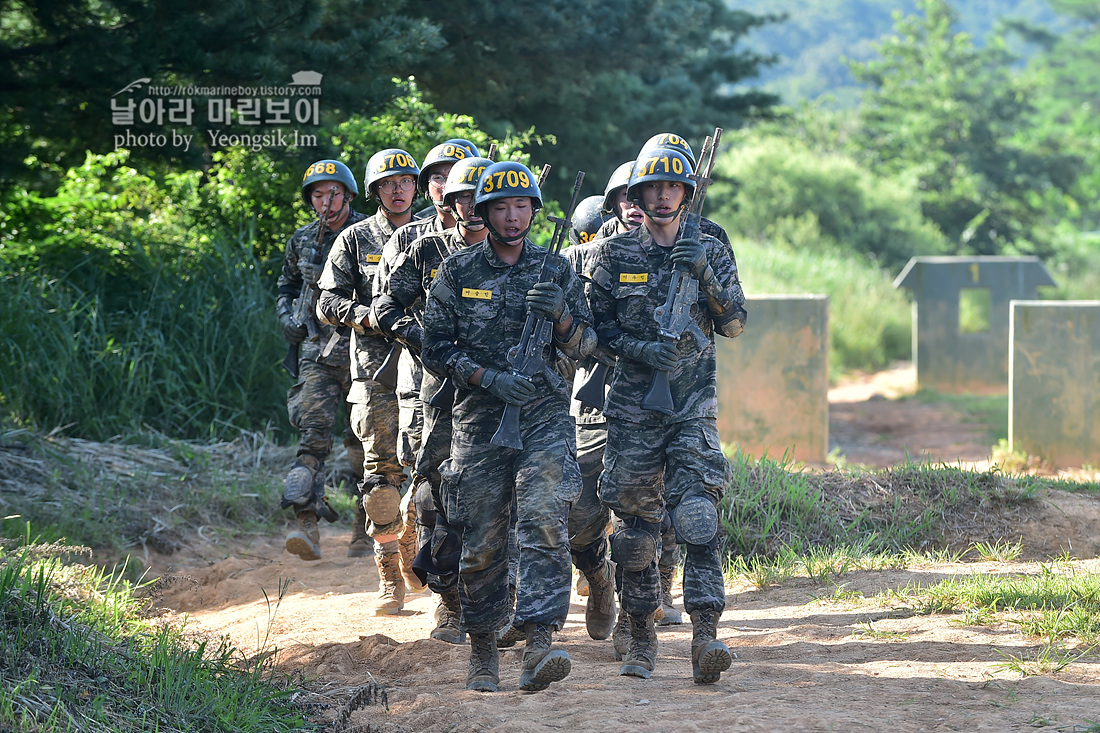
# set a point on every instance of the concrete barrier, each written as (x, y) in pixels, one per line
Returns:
(1054, 381)
(958, 357)
(773, 380)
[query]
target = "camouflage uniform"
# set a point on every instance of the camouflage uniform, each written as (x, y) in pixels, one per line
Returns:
(630, 274)
(475, 312)
(323, 379)
(399, 307)
(611, 227)
(345, 301)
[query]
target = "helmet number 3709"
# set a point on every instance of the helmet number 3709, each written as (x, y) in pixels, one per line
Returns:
(509, 179)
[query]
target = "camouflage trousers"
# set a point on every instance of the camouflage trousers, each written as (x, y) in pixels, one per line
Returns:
(410, 420)
(648, 468)
(374, 421)
(480, 482)
(588, 516)
(312, 406)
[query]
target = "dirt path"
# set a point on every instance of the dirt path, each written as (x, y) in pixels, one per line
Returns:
(809, 657)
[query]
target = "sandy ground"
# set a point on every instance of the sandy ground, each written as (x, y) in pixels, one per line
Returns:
(810, 657)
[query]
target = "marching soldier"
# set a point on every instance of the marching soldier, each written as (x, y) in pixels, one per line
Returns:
(655, 461)
(476, 310)
(345, 301)
(328, 187)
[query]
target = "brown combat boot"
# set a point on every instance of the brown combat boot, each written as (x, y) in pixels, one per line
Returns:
(406, 543)
(391, 588)
(668, 615)
(620, 636)
(541, 664)
(580, 583)
(484, 670)
(305, 542)
(599, 611)
(709, 657)
(641, 657)
(361, 545)
(448, 619)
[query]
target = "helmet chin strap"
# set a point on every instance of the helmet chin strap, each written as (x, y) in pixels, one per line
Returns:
(507, 241)
(655, 216)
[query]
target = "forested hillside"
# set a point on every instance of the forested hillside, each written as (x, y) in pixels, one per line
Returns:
(817, 36)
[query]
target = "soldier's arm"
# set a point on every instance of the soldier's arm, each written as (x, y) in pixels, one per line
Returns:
(338, 304)
(290, 277)
(722, 288)
(442, 354)
(576, 339)
(397, 293)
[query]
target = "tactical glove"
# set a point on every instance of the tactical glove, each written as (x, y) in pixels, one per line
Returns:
(311, 272)
(657, 354)
(508, 387)
(292, 332)
(692, 255)
(549, 300)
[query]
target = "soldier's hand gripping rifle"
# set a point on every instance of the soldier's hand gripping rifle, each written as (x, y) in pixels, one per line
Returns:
(444, 397)
(528, 357)
(674, 315)
(305, 305)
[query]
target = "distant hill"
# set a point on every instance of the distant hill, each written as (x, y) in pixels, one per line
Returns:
(819, 34)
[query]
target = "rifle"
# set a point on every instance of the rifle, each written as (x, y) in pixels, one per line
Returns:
(590, 390)
(445, 397)
(304, 313)
(386, 375)
(674, 315)
(528, 357)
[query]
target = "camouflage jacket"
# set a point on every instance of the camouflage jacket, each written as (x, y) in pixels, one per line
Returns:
(580, 257)
(301, 247)
(395, 246)
(630, 274)
(346, 293)
(475, 313)
(611, 227)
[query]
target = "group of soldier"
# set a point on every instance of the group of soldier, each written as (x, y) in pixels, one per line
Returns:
(493, 526)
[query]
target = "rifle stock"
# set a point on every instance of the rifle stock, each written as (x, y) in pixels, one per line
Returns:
(590, 391)
(528, 358)
(444, 398)
(386, 375)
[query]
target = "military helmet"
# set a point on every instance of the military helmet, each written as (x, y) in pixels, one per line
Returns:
(451, 151)
(465, 175)
(328, 170)
(661, 164)
(668, 141)
(503, 180)
(587, 220)
(619, 179)
(386, 163)
(466, 144)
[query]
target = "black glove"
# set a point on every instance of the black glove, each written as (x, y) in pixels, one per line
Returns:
(549, 300)
(508, 387)
(657, 354)
(311, 272)
(292, 332)
(692, 255)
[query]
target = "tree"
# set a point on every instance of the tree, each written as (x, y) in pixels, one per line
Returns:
(61, 62)
(602, 76)
(945, 113)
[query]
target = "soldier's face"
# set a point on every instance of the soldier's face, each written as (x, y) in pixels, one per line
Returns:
(328, 195)
(463, 205)
(510, 216)
(437, 179)
(628, 212)
(662, 199)
(396, 192)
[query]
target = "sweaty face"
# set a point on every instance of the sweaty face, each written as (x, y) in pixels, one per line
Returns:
(396, 192)
(463, 205)
(628, 212)
(510, 217)
(321, 195)
(662, 199)
(437, 179)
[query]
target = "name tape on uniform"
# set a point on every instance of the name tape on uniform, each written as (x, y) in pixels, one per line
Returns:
(479, 294)
(633, 277)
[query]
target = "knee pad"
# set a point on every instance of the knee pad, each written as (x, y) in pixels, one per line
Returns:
(695, 520)
(299, 486)
(381, 500)
(634, 546)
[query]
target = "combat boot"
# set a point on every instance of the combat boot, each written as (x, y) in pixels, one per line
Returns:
(305, 542)
(641, 657)
(709, 657)
(599, 611)
(620, 636)
(391, 588)
(484, 671)
(541, 665)
(668, 616)
(360, 545)
(580, 584)
(406, 543)
(448, 619)
(509, 636)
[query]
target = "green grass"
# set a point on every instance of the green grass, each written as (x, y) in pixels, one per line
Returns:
(77, 655)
